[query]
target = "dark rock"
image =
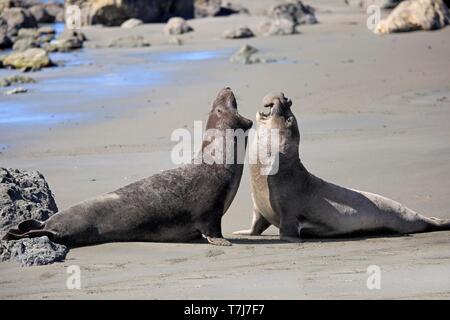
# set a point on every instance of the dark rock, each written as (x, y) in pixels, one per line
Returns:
(40, 14)
(114, 13)
(24, 195)
(32, 252)
(5, 40)
(217, 8)
(17, 18)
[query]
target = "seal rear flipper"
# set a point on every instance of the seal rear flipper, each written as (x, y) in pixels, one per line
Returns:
(15, 234)
(438, 224)
(31, 224)
(30, 228)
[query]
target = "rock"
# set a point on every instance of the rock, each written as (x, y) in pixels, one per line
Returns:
(131, 23)
(238, 33)
(216, 8)
(28, 33)
(23, 44)
(207, 8)
(129, 42)
(175, 40)
(68, 34)
(24, 195)
(46, 30)
(245, 55)
(114, 13)
(233, 8)
(5, 4)
(31, 59)
(5, 41)
(55, 10)
(17, 18)
(177, 25)
(6, 82)
(277, 27)
(15, 91)
(40, 14)
(411, 15)
(293, 10)
(68, 40)
(32, 252)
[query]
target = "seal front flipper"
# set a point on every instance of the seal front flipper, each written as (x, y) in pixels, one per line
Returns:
(259, 225)
(212, 231)
(289, 228)
(218, 241)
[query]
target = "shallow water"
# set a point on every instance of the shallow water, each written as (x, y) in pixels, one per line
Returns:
(64, 95)
(12, 112)
(189, 56)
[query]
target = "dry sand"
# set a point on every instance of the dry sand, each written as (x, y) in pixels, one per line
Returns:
(373, 113)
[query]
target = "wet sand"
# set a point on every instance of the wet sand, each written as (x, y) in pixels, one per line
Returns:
(373, 114)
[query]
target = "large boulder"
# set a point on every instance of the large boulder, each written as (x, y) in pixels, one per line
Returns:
(411, 15)
(31, 59)
(115, 12)
(216, 8)
(295, 11)
(41, 14)
(55, 10)
(32, 252)
(24, 195)
(277, 27)
(17, 18)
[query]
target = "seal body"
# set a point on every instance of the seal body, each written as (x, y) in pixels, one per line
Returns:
(302, 205)
(175, 205)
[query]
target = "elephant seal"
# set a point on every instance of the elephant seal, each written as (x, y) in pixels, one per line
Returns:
(301, 205)
(176, 205)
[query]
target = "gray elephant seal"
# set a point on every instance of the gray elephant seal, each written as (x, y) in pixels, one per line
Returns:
(176, 205)
(302, 205)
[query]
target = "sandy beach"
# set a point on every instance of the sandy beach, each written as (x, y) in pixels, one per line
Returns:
(373, 114)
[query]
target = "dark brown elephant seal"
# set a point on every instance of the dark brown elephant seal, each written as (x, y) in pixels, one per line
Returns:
(302, 205)
(176, 205)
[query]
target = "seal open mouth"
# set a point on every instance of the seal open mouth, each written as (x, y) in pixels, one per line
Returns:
(267, 112)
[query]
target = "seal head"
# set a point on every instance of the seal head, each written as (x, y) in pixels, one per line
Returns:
(278, 115)
(224, 113)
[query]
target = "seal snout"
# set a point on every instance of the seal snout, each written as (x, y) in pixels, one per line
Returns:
(275, 103)
(226, 98)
